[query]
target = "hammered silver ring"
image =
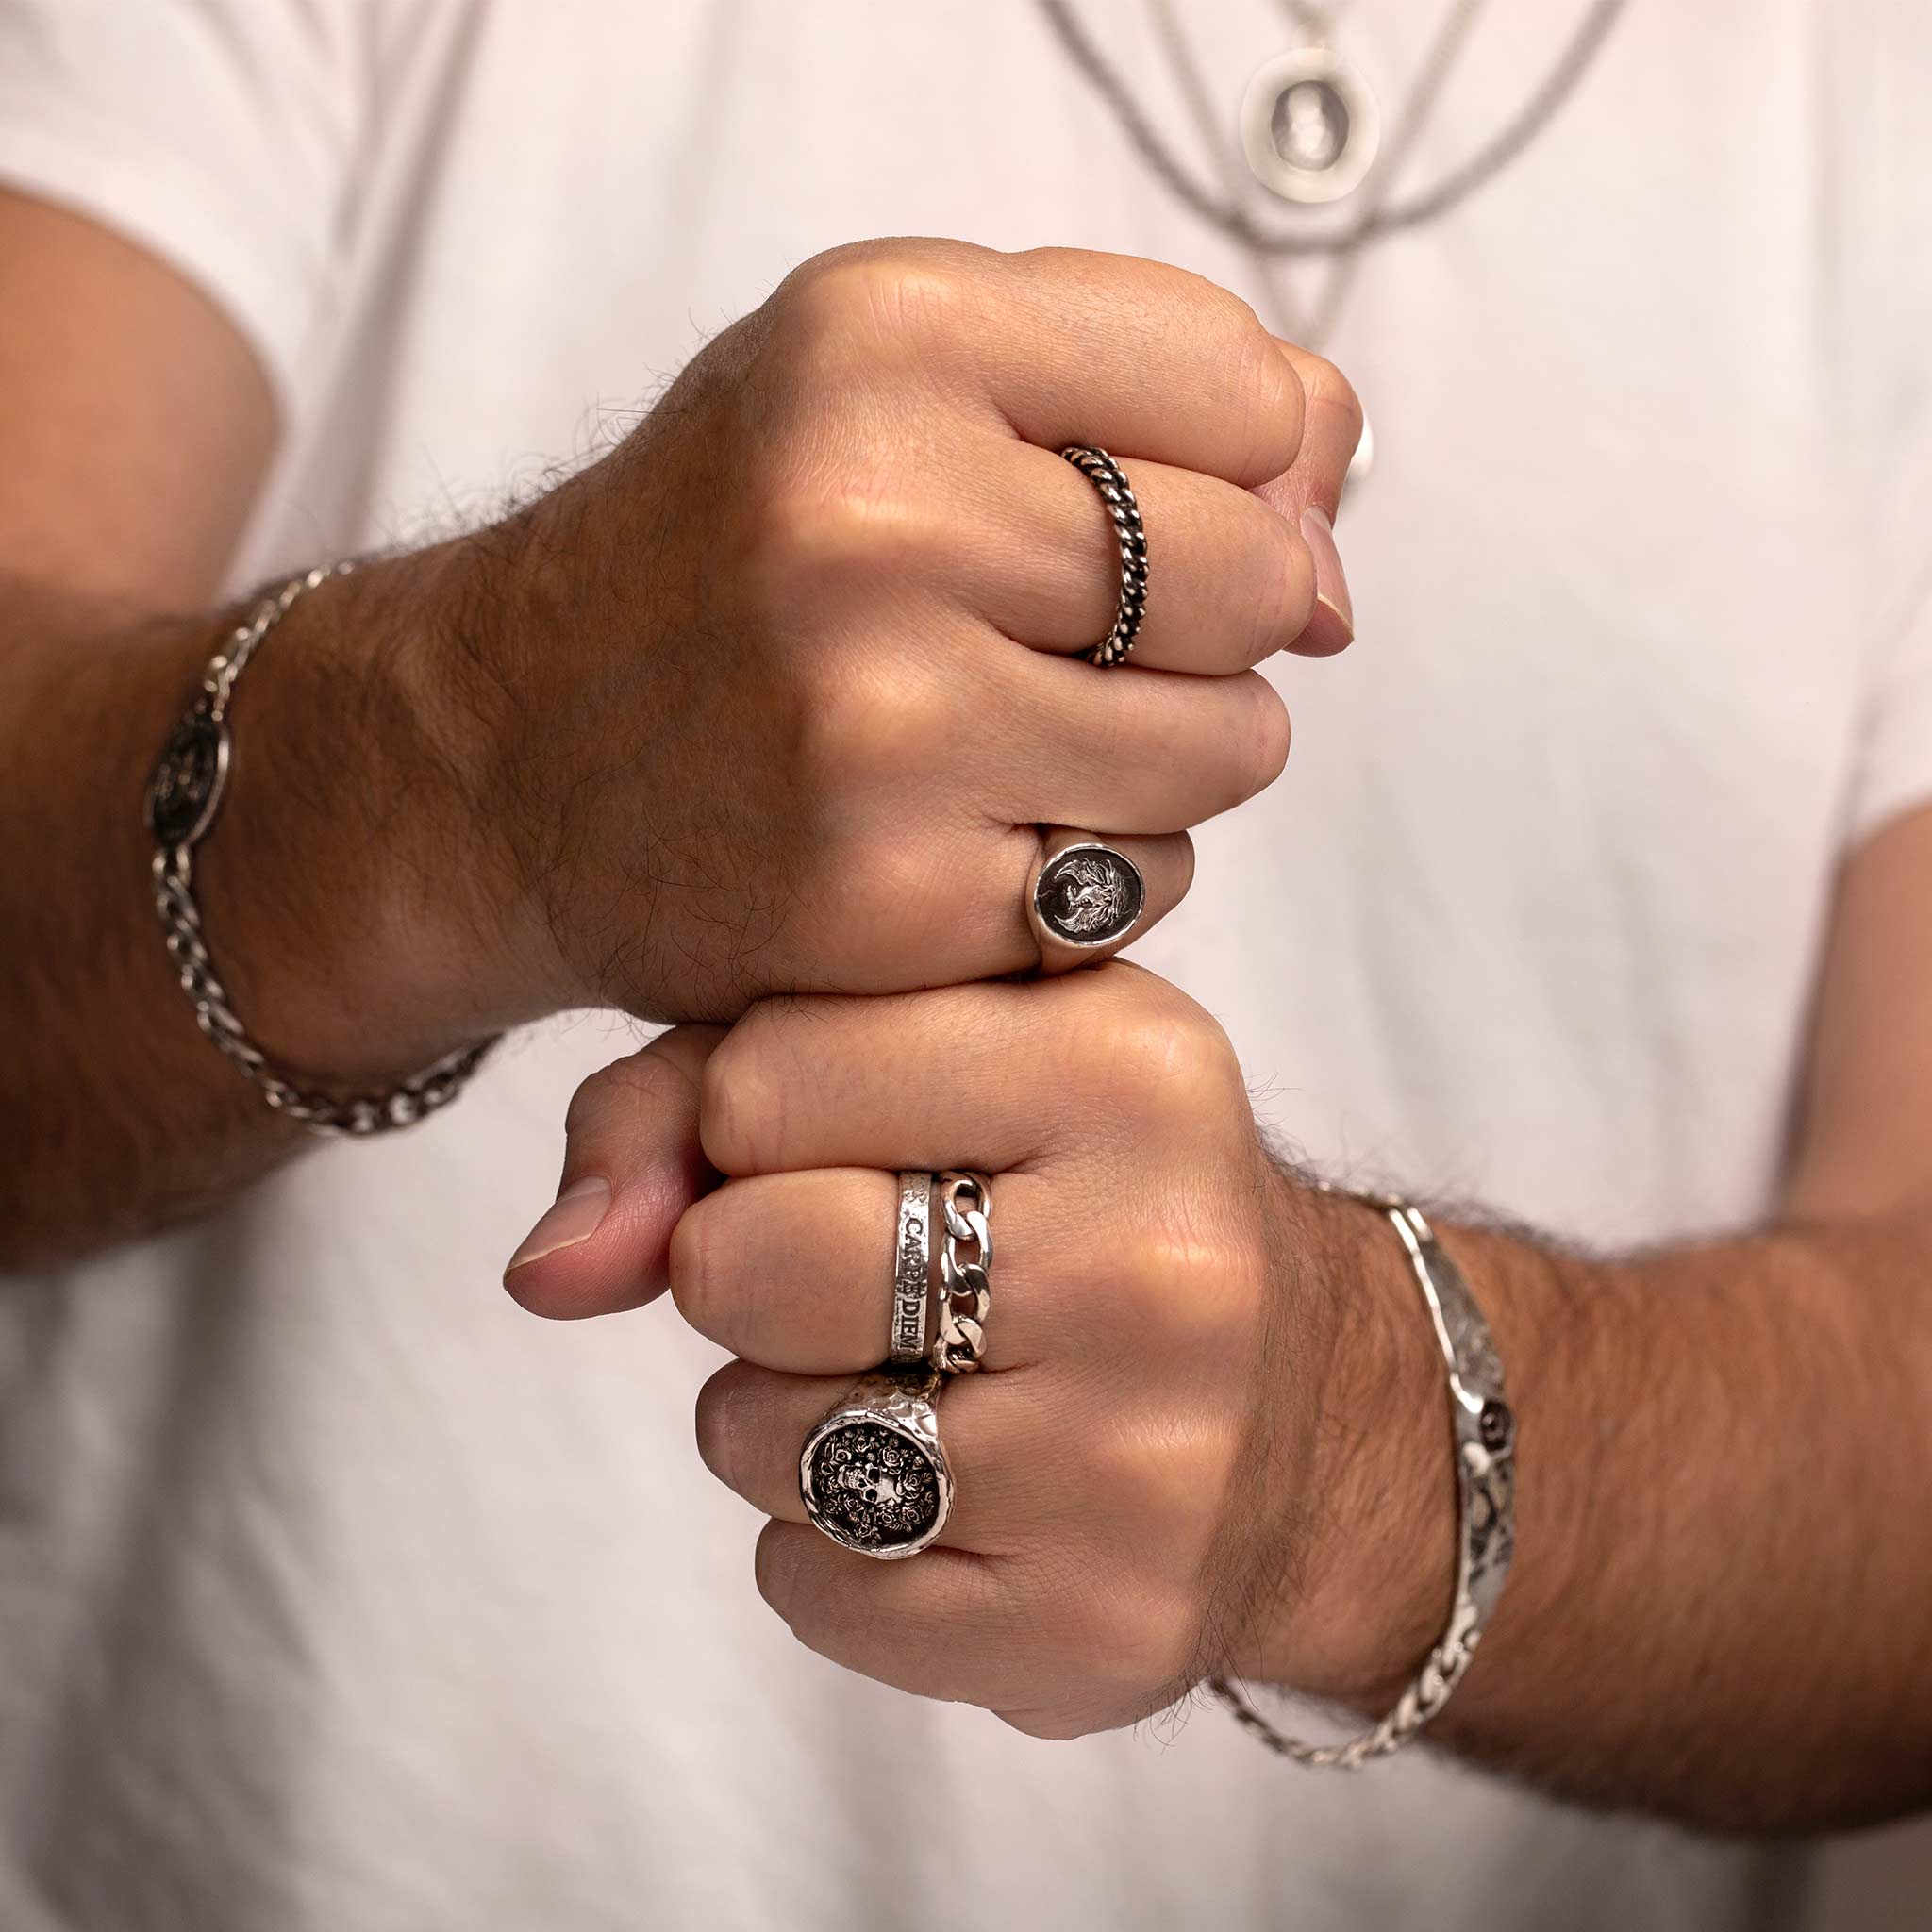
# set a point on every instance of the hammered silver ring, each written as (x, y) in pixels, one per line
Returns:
(1117, 495)
(873, 1473)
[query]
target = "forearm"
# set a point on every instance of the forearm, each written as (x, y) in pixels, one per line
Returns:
(323, 887)
(1722, 1602)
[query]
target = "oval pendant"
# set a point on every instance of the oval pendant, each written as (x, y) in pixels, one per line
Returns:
(1310, 126)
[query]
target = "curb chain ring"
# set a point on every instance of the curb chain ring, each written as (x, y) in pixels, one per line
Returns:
(965, 1272)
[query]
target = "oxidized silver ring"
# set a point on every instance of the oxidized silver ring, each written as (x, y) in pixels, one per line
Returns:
(873, 1473)
(1116, 497)
(1083, 901)
(912, 1267)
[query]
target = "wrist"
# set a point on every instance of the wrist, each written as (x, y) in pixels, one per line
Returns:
(1377, 1508)
(349, 883)
(1384, 1529)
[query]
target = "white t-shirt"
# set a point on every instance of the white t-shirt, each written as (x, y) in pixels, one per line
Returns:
(337, 1593)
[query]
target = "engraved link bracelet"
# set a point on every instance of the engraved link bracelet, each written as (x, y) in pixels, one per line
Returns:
(184, 797)
(1483, 1431)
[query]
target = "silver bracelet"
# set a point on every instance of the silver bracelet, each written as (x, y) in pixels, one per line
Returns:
(1483, 1431)
(184, 797)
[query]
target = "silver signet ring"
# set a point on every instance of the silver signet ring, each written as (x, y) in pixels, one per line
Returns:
(873, 1473)
(1083, 901)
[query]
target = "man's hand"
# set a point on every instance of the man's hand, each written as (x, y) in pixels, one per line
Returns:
(774, 697)
(1139, 1464)
(1212, 1431)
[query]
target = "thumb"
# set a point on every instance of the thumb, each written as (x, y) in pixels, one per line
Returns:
(632, 1164)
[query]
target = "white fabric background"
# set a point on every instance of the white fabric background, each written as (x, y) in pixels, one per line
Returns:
(336, 1593)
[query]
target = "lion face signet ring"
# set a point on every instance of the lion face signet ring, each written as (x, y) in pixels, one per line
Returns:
(1084, 900)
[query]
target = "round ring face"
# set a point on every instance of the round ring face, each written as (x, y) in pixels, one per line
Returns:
(1309, 127)
(872, 1487)
(1088, 895)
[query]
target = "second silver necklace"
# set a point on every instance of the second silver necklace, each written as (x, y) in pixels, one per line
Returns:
(1307, 113)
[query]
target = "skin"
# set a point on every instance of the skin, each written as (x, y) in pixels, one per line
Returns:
(671, 738)
(1221, 1445)
(1633, 1660)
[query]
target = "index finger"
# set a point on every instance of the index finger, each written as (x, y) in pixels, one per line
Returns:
(1140, 358)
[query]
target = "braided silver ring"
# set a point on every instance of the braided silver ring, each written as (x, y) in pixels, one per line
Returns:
(1117, 494)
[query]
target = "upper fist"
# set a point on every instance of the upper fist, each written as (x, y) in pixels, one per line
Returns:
(775, 695)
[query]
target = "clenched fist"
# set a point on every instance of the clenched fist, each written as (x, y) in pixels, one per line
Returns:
(778, 695)
(1181, 1347)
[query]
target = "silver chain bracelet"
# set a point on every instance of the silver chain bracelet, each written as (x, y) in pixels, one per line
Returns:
(1484, 1430)
(184, 797)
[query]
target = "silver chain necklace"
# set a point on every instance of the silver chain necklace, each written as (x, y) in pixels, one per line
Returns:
(1320, 71)
(1310, 139)
(1391, 214)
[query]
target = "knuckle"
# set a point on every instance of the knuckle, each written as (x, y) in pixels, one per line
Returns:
(806, 1593)
(1281, 575)
(1257, 749)
(868, 295)
(780, 1575)
(719, 1421)
(1269, 402)
(613, 1096)
(1272, 734)
(1245, 369)
(1162, 1049)
(692, 1257)
(740, 1104)
(1330, 392)
(1208, 304)
(586, 1107)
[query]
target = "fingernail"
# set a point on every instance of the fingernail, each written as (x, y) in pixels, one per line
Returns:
(572, 1217)
(1333, 624)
